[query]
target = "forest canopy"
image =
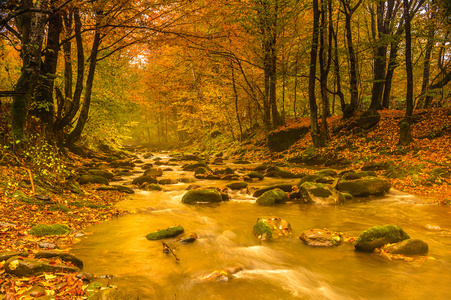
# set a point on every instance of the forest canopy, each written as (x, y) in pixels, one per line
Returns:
(112, 72)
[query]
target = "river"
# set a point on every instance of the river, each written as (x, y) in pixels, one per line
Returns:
(281, 269)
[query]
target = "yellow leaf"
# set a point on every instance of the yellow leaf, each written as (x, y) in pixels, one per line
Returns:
(13, 265)
(49, 276)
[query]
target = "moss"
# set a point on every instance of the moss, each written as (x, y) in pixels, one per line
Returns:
(153, 187)
(255, 174)
(237, 185)
(165, 233)
(377, 236)
(59, 207)
(272, 197)
(56, 229)
(262, 230)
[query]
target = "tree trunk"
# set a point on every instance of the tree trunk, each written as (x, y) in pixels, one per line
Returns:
(236, 100)
(43, 103)
(353, 77)
(316, 139)
(31, 27)
(405, 137)
(84, 113)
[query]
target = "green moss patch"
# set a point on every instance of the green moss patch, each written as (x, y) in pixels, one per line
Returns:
(378, 236)
(262, 230)
(56, 229)
(165, 233)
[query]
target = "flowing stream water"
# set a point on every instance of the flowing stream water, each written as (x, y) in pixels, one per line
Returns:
(281, 269)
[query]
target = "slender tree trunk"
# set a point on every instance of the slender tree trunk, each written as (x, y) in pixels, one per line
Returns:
(339, 91)
(324, 71)
(236, 100)
(84, 113)
(353, 80)
(74, 105)
(314, 131)
(405, 137)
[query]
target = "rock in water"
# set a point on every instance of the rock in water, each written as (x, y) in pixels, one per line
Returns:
(165, 233)
(272, 197)
(378, 236)
(365, 186)
(408, 247)
(201, 195)
(321, 238)
(271, 228)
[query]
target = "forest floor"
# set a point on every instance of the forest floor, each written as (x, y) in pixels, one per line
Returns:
(423, 168)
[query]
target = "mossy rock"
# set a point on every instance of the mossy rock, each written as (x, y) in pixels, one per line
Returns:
(165, 233)
(124, 189)
(153, 187)
(284, 187)
(237, 185)
(255, 174)
(144, 179)
(365, 186)
(378, 236)
(326, 172)
(285, 174)
(201, 171)
(271, 228)
(55, 229)
(100, 172)
(59, 207)
(309, 178)
(408, 247)
(153, 172)
(201, 196)
(272, 197)
(358, 175)
(89, 178)
(193, 167)
(320, 193)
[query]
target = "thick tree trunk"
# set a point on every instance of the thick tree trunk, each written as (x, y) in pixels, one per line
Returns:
(31, 27)
(43, 106)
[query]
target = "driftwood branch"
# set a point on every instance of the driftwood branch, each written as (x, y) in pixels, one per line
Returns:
(167, 249)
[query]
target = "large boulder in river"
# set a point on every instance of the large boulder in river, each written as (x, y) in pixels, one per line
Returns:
(378, 236)
(202, 196)
(321, 238)
(280, 140)
(193, 167)
(365, 186)
(320, 193)
(271, 228)
(408, 247)
(272, 197)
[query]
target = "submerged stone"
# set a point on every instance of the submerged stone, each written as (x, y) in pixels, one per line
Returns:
(321, 238)
(165, 233)
(378, 236)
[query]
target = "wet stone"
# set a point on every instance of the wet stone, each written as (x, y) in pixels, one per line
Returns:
(321, 238)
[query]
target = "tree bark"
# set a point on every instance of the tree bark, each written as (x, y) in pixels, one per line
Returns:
(314, 131)
(31, 27)
(405, 137)
(84, 113)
